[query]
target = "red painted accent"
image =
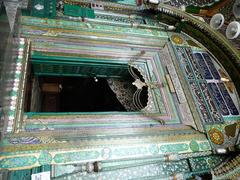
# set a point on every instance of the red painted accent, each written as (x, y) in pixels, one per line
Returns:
(139, 2)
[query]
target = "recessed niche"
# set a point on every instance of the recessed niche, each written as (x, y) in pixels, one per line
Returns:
(82, 94)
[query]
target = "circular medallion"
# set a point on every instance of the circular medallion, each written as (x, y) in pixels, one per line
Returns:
(209, 161)
(216, 136)
(106, 153)
(45, 158)
(194, 146)
(177, 39)
(153, 149)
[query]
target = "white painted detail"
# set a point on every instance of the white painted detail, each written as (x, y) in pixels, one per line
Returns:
(39, 7)
(41, 176)
(154, 1)
(221, 151)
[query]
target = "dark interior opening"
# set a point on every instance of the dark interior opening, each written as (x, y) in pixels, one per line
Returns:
(77, 94)
(82, 94)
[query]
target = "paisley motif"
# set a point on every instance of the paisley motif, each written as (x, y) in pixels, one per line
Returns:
(194, 146)
(177, 39)
(216, 136)
(45, 158)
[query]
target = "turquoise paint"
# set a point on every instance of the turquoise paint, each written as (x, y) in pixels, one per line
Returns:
(45, 158)
(49, 114)
(71, 157)
(56, 126)
(107, 29)
(43, 8)
(127, 2)
(73, 10)
(26, 174)
(170, 148)
(231, 118)
(129, 151)
(16, 162)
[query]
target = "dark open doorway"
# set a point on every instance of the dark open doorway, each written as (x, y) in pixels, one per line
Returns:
(77, 94)
(82, 94)
(87, 95)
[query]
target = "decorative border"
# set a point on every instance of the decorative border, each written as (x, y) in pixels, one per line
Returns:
(16, 94)
(169, 152)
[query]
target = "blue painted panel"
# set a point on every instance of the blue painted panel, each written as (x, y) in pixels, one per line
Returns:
(231, 106)
(218, 98)
(211, 66)
(203, 66)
